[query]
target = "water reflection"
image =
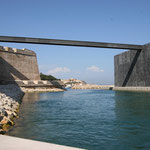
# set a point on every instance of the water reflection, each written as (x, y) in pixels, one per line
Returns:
(31, 97)
(132, 110)
(51, 96)
(35, 113)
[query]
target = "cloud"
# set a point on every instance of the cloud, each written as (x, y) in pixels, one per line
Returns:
(58, 70)
(94, 69)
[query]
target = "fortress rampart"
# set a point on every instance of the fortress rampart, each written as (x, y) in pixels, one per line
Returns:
(18, 64)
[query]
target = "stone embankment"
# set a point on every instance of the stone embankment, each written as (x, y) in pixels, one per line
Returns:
(25, 90)
(93, 86)
(10, 97)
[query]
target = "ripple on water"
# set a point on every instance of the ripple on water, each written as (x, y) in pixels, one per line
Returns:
(91, 119)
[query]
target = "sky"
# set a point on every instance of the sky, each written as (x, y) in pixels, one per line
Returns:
(115, 21)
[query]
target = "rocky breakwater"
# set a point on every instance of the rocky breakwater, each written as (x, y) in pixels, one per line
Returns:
(30, 90)
(92, 86)
(10, 97)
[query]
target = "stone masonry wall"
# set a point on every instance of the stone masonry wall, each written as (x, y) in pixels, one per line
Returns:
(16, 64)
(132, 68)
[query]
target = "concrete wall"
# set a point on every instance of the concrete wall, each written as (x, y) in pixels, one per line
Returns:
(132, 68)
(16, 64)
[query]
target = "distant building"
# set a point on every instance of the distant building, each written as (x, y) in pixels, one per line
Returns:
(71, 82)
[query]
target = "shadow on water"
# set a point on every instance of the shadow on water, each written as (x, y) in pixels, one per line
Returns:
(132, 110)
(34, 115)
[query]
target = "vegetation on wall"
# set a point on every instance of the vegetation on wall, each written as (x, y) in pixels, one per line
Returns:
(47, 77)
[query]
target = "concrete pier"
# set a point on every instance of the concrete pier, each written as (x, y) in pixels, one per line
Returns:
(14, 143)
(133, 89)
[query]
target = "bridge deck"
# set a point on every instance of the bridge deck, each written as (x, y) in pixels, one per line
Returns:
(69, 43)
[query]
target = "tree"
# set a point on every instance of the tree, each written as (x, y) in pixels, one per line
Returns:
(47, 77)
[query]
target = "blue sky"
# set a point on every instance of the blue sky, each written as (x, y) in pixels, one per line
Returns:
(115, 21)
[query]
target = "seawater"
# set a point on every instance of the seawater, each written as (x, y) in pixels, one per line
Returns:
(90, 119)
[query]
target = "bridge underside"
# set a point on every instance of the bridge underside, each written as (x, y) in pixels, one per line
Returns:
(69, 43)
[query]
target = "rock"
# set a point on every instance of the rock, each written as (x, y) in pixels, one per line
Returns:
(2, 131)
(5, 120)
(1, 118)
(10, 96)
(3, 112)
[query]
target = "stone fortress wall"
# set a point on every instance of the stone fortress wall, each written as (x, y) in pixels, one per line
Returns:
(20, 67)
(17, 64)
(132, 68)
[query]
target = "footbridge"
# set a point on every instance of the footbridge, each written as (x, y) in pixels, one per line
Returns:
(132, 68)
(68, 43)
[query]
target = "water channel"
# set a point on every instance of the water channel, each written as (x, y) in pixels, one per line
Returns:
(90, 119)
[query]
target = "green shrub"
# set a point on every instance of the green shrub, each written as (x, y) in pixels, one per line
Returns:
(47, 77)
